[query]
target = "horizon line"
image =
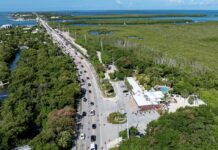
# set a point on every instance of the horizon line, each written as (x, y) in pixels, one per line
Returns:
(111, 10)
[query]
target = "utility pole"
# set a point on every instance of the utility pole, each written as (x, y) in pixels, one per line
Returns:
(127, 125)
(85, 38)
(101, 43)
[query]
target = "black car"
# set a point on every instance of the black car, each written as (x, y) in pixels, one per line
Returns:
(93, 138)
(87, 78)
(89, 84)
(93, 126)
(84, 114)
(85, 99)
(85, 71)
(90, 91)
(92, 103)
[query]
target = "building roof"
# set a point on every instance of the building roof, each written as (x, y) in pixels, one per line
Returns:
(154, 96)
(135, 87)
(140, 100)
(142, 97)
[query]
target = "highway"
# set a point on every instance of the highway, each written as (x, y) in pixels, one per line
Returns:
(93, 92)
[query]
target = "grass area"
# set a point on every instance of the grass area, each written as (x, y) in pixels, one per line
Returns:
(189, 50)
(107, 88)
(188, 40)
(116, 118)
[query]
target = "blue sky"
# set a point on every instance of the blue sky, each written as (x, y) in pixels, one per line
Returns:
(43, 5)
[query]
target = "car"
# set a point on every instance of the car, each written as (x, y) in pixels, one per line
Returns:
(85, 99)
(93, 138)
(81, 72)
(92, 103)
(82, 136)
(82, 80)
(92, 146)
(88, 78)
(93, 126)
(82, 66)
(125, 91)
(92, 112)
(90, 91)
(85, 71)
(89, 84)
(84, 114)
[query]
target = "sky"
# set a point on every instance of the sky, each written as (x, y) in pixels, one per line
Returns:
(51, 5)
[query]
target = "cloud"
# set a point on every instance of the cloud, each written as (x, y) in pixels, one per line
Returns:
(118, 2)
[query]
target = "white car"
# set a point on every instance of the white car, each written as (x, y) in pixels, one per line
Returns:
(92, 146)
(82, 136)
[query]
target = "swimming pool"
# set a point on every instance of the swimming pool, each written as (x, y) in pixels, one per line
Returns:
(164, 89)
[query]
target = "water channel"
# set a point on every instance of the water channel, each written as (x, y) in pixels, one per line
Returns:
(12, 67)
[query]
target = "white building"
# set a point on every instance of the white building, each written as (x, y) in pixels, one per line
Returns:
(143, 97)
(6, 26)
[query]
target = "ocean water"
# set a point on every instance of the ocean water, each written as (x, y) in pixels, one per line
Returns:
(5, 18)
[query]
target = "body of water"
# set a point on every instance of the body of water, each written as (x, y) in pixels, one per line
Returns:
(5, 18)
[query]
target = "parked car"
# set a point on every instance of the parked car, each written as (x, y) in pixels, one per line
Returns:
(89, 84)
(90, 91)
(88, 78)
(92, 103)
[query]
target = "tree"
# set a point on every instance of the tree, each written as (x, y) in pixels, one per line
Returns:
(65, 140)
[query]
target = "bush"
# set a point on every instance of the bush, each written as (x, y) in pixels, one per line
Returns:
(132, 132)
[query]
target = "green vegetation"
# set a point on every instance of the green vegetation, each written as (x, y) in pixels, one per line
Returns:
(127, 22)
(132, 133)
(189, 128)
(107, 88)
(10, 43)
(116, 118)
(43, 92)
(127, 16)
